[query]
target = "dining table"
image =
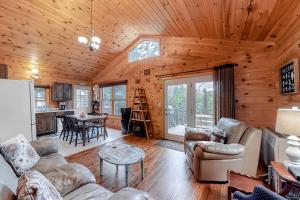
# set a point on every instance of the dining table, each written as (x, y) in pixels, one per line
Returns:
(84, 120)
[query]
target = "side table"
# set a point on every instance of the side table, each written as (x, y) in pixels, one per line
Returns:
(243, 183)
(121, 154)
(283, 182)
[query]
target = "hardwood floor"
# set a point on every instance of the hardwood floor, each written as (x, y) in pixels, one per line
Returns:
(167, 175)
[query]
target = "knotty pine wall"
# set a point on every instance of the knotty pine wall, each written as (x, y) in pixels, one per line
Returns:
(45, 78)
(255, 78)
(288, 48)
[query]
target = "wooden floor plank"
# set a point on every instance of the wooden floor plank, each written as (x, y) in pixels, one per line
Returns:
(167, 175)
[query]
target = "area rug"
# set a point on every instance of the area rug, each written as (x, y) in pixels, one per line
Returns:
(67, 149)
(171, 145)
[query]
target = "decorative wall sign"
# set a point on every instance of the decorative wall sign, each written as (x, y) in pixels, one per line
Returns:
(147, 72)
(289, 77)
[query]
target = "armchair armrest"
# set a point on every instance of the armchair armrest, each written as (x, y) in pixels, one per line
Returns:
(45, 146)
(219, 148)
(196, 134)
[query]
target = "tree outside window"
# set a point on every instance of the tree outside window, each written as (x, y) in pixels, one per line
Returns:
(145, 49)
(82, 98)
(113, 99)
(40, 98)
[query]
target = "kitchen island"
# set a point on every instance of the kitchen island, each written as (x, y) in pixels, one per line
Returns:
(46, 120)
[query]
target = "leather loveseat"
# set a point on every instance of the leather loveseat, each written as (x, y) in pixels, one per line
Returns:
(210, 161)
(73, 181)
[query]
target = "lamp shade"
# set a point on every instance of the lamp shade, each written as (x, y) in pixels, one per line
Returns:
(288, 121)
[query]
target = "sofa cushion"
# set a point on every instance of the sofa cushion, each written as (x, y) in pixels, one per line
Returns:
(69, 177)
(6, 193)
(234, 129)
(130, 194)
(90, 191)
(214, 156)
(49, 163)
(219, 148)
(7, 175)
(20, 154)
(34, 186)
(45, 145)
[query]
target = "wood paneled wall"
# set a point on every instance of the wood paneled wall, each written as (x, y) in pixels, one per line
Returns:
(288, 48)
(45, 78)
(254, 81)
(45, 32)
(255, 89)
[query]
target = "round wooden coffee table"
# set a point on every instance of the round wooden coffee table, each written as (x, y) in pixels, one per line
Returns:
(121, 154)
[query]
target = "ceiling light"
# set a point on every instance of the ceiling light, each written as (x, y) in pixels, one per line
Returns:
(35, 73)
(35, 76)
(95, 41)
(82, 40)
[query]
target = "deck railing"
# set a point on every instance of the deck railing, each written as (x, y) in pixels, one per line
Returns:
(178, 116)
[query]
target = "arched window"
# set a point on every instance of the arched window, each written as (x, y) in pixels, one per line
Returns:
(145, 49)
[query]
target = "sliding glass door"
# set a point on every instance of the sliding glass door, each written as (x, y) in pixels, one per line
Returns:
(188, 102)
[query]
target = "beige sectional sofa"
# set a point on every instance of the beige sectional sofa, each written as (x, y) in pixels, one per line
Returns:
(81, 184)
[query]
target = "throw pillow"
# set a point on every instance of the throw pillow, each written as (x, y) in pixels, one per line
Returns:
(218, 135)
(234, 129)
(20, 154)
(33, 185)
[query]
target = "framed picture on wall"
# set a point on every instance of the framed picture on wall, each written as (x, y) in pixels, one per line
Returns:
(289, 77)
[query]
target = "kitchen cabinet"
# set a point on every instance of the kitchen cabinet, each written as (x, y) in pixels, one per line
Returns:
(68, 92)
(45, 123)
(62, 92)
(3, 71)
(58, 92)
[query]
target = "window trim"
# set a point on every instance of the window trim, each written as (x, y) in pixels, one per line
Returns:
(112, 85)
(111, 100)
(140, 41)
(114, 99)
(84, 89)
(46, 96)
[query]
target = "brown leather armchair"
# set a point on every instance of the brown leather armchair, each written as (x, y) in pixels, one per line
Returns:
(210, 161)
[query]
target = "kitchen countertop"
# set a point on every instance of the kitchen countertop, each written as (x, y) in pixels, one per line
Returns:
(52, 111)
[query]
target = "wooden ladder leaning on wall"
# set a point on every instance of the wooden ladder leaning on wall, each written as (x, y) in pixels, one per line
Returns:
(140, 111)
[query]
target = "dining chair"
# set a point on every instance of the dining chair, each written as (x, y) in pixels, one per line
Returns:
(65, 128)
(63, 131)
(100, 125)
(77, 130)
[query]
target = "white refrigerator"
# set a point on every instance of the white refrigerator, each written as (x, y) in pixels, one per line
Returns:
(17, 115)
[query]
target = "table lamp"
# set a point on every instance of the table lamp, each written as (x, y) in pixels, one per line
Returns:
(288, 122)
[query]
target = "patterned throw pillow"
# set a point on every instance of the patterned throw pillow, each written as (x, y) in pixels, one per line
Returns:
(218, 135)
(19, 152)
(33, 185)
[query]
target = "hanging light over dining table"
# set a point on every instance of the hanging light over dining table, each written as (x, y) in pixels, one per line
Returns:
(93, 42)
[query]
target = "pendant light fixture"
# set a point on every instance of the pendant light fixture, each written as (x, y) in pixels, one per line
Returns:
(94, 41)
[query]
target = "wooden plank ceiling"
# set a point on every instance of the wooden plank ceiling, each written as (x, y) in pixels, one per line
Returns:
(44, 32)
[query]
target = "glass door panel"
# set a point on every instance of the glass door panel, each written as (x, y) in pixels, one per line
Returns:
(176, 111)
(188, 102)
(204, 104)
